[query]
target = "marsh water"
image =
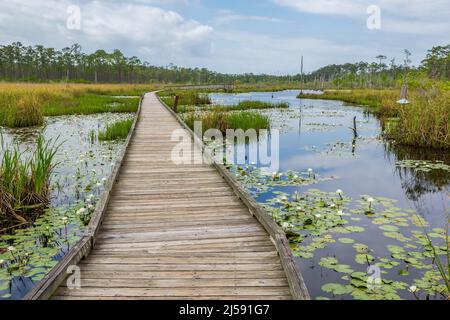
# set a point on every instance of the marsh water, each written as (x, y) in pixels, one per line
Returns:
(82, 166)
(403, 182)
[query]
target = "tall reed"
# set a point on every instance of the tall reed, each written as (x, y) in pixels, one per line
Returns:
(425, 122)
(25, 181)
(115, 131)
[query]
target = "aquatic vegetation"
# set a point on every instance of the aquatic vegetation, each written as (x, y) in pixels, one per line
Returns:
(316, 219)
(423, 166)
(251, 104)
(86, 104)
(337, 235)
(20, 110)
(425, 122)
(185, 97)
(24, 181)
(82, 168)
(244, 105)
(382, 102)
(25, 105)
(228, 120)
(258, 181)
(117, 130)
(32, 252)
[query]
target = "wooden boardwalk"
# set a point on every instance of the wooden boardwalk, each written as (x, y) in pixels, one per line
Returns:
(176, 231)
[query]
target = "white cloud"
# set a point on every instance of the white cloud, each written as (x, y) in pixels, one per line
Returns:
(339, 7)
(134, 27)
(227, 16)
(402, 16)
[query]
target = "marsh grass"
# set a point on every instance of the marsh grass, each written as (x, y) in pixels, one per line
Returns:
(25, 105)
(25, 181)
(243, 105)
(185, 97)
(116, 131)
(382, 102)
(425, 122)
(222, 121)
(86, 104)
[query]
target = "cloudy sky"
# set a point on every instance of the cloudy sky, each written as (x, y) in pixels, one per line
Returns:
(233, 36)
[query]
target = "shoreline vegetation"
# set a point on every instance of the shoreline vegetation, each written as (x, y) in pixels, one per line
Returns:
(25, 182)
(26, 105)
(115, 131)
(218, 116)
(424, 122)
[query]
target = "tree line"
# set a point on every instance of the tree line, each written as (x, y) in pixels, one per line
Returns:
(384, 72)
(38, 63)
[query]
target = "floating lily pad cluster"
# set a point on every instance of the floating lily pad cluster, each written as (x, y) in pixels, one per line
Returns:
(82, 168)
(33, 252)
(317, 220)
(423, 166)
(258, 181)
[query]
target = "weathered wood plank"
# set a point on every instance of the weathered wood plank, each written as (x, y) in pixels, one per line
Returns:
(172, 231)
(175, 292)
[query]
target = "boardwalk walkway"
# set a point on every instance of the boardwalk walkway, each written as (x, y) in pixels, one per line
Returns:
(176, 231)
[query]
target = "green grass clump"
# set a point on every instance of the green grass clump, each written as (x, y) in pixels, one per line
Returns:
(249, 104)
(228, 120)
(243, 105)
(25, 182)
(382, 102)
(86, 104)
(116, 131)
(22, 109)
(425, 122)
(185, 98)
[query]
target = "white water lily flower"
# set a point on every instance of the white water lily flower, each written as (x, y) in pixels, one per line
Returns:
(284, 198)
(11, 248)
(90, 206)
(310, 170)
(2, 262)
(340, 213)
(285, 225)
(371, 200)
(65, 219)
(318, 215)
(88, 200)
(81, 211)
(413, 289)
(332, 205)
(90, 196)
(339, 191)
(94, 171)
(104, 179)
(99, 184)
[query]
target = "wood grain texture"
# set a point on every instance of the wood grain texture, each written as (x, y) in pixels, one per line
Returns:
(176, 231)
